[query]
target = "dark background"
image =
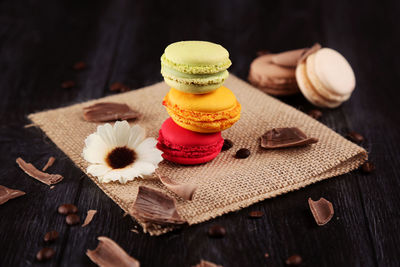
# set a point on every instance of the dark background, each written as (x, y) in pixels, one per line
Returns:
(123, 41)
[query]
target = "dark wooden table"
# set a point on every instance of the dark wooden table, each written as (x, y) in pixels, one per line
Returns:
(123, 41)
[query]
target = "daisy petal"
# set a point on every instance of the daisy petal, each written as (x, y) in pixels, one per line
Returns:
(121, 133)
(136, 136)
(106, 133)
(95, 149)
(98, 169)
(145, 168)
(148, 152)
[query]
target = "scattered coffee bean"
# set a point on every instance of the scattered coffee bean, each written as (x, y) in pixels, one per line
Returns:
(256, 214)
(45, 254)
(294, 260)
(315, 113)
(67, 209)
(50, 236)
(368, 167)
(68, 84)
(79, 65)
(72, 219)
(242, 153)
(216, 231)
(117, 86)
(227, 144)
(355, 137)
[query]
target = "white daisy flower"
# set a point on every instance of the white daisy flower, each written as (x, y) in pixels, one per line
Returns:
(120, 153)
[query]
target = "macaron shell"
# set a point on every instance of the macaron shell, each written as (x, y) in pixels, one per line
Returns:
(288, 58)
(334, 72)
(189, 161)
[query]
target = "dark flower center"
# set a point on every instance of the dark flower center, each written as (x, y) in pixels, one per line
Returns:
(120, 157)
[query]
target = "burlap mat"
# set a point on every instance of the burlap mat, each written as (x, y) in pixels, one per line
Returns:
(224, 184)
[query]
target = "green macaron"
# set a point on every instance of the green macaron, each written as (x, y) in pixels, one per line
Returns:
(195, 67)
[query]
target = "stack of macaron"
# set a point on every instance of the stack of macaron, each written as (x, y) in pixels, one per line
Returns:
(200, 107)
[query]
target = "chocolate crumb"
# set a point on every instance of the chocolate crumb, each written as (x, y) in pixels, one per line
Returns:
(67, 209)
(50, 236)
(109, 111)
(109, 253)
(368, 167)
(72, 219)
(227, 145)
(242, 153)
(79, 65)
(204, 263)
(7, 193)
(355, 137)
(315, 113)
(45, 254)
(117, 86)
(285, 137)
(256, 214)
(49, 163)
(294, 260)
(322, 210)
(68, 84)
(216, 231)
(89, 217)
(33, 172)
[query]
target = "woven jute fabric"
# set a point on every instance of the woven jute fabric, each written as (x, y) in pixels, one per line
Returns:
(225, 184)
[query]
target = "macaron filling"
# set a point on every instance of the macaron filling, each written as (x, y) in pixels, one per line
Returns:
(194, 79)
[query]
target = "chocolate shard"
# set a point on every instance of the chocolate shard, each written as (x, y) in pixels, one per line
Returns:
(7, 193)
(108, 111)
(308, 52)
(43, 177)
(289, 58)
(322, 210)
(108, 254)
(204, 263)
(49, 163)
(152, 206)
(89, 217)
(285, 137)
(185, 191)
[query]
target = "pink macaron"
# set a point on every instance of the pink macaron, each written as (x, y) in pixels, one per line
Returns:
(186, 147)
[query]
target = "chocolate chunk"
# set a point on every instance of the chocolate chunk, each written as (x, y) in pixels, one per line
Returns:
(89, 217)
(368, 167)
(68, 84)
(227, 145)
(7, 193)
(67, 209)
(294, 260)
(242, 153)
(204, 263)
(216, 231)
(355, 137)
(50, 236)
(108, 111)
(285, 137)
(45, 254)
(256, 214)
(72, 219)
(49, 163)
(322, 210)
(185, 191)
(117, 86)
(43, 177)
(108, 253)
(315, 113)
(288, 58)
(152, 206)
(308, 52)
(79, 65)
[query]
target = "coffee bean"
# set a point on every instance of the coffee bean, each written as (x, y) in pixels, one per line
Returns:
(355, 137)
(67, 209)
(45, 254)
(294, 260)
(256, 214)
(79, 65)
(50, 236)
(266, 255)
(68, 84)
(368, 167)
(227, 144)
(242, 153)
(216, 231)
(315, 113)
(117, 86)
(72, 219)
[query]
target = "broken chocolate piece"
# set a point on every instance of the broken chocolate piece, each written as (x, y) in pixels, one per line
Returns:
(43, 177)
(7, 193)
(204, 263)
(322, 210)
(89, 217)
(185, 191)
(108, 111)
(288, 58)
(117, 86)
(294, 260)
(108, 253)
(49, 163)
(285, 137)
(309, 51)
(152, 206)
